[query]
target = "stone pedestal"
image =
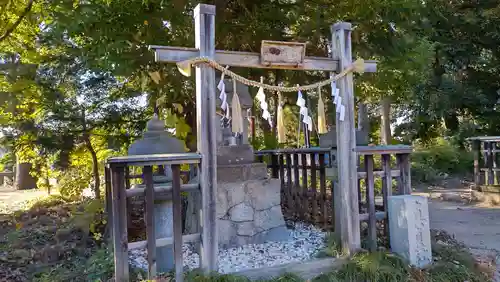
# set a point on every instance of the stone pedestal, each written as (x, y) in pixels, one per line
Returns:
(248, 206)
(163, 219)
(409, 229)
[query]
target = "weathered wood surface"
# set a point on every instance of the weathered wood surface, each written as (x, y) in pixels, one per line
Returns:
(384, 149)
(163, 191)
(156, 159)
(149, 203)
(346, 196)
(404, 179)
(306, 270)
(485, 138)
(386, 186)
(278, 53)
(120, 237)
(314, 187)
(163, 242)
(204, 21)
(249, 60)
(109, 205)
(177, 215)
(305, 198)
(370, 200)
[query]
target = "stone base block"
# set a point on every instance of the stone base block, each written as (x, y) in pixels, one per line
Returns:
(409, 228)
(249, 212)
(248, 206)
(163, 219)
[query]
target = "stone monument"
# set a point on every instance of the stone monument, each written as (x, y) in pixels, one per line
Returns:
(248, 201)
(409, 228)
(158, 141)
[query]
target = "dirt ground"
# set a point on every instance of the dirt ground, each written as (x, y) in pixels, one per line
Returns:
(477, 225)
(12, 199)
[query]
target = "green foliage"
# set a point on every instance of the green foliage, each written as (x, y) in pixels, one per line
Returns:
(439, 158)
(332, 246)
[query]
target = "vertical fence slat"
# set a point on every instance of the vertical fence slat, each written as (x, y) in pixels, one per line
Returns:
(386, 189)
(120, 238)
(305, 198)
(313, 187)
(129, 200)
(360, 168)
(370, 199)
(296, 184)
(274, 165)
(289, 187)
(177, 215)
(109, 206)
(484, 152)
(150, 228)
(282, 169)
(404, 167)
(476, 148)
(495, 163)
(490, 163)
(322, 185)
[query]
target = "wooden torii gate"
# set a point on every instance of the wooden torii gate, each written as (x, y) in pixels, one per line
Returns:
(345, 197)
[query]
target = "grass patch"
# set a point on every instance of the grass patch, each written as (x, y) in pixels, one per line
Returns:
(55, 240)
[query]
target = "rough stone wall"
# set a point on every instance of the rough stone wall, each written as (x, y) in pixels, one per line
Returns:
(248, 206)
(249, 212)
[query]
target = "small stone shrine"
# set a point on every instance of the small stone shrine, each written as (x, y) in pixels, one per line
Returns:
(158, 141)
(248, 201)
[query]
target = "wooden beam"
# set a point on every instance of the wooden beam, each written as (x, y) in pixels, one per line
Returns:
(167, 54)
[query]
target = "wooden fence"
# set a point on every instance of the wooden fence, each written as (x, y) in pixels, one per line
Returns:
(307, 195)
(305, 192)
(486, 162)
(118, 186)
(308, 177)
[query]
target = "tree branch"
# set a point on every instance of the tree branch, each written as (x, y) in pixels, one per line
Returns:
(18, 21)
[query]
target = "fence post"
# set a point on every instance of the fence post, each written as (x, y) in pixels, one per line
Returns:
(476, 148)
(346, 197)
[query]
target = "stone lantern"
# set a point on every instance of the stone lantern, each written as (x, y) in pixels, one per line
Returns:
(158, 141)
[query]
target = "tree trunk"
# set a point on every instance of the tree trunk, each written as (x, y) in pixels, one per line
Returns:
(385, 125)
(24, 180)
(95, 167)
(95, 161)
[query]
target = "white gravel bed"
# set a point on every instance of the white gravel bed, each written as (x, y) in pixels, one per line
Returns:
(303, 245)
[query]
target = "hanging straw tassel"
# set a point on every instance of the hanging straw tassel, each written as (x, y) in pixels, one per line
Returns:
(280, 122)
(321, 114)
(237, 118)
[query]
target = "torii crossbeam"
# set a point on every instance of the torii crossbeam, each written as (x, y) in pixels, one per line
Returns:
(346, 197)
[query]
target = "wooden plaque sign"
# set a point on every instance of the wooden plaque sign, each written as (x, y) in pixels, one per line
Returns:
(278, 53)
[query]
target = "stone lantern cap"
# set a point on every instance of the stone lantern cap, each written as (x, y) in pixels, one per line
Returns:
(156, 140)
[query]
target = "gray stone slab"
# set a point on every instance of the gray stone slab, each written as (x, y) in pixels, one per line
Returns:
(410, 228)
